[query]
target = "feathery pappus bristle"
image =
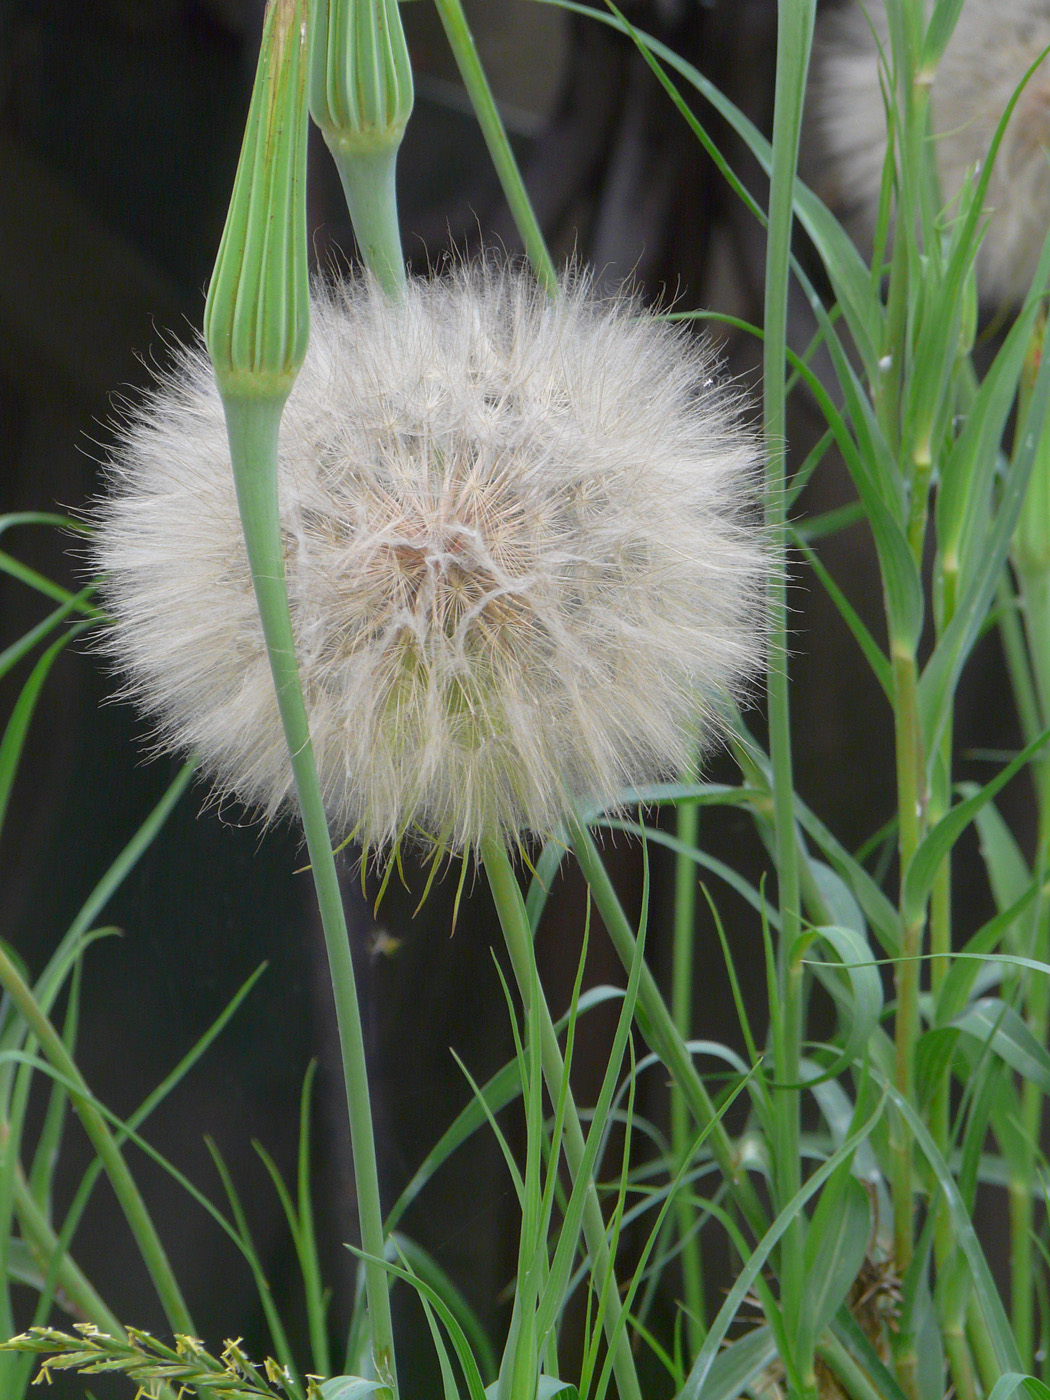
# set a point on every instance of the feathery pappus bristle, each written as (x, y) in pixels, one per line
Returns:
(522, 555)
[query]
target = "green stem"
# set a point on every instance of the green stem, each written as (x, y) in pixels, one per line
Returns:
(78, 1295)
(687, 816)
(941, 934)
(253, 427)
(1035, 594)
(465, 52)
(855, 1381)
(368, 180)
(660, 1032)
(911, 802)
(517, 934)
(795, 19)
(982, 1348)
(123, 1183)
(1030, 695)
(960, 1362)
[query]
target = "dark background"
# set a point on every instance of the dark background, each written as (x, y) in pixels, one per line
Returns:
(120, 122)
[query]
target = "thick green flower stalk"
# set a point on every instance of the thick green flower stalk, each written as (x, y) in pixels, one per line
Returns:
(361, 97)
(256, 328)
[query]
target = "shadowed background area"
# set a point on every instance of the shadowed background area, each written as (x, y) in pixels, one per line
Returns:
(120, 123)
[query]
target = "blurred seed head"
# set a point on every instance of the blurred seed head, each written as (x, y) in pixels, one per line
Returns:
(522, 556)
(993, 45)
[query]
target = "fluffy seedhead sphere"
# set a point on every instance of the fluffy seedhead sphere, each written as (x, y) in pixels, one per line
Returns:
(521, 551)
(994, 44)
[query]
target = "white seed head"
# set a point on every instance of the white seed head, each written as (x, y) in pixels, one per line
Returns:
(993, 45)
(522, 559)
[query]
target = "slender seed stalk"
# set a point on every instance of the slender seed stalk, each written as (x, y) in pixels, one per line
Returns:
(687, 816)
(465, 52)
(253, 439)
(941, 919)
(795, 19)
(123, 1183)
(510, 906)
(911, 809)
(256, 327)
(660, 1032)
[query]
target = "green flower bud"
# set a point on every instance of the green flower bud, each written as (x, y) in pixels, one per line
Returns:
(257, 318)
(361, 97)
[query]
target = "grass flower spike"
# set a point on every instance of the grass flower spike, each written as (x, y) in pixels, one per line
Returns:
(520, 560)
(992, 47)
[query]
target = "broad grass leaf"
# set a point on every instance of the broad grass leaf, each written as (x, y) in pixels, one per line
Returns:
(922, 869)
(966, 964)
(997, 1324)
(1013, 1381)
(836, 1243)
(695, 1385)
(902, 584)
(1008, 872)
(941, 673)
(848, 1332)
(882, 917)
(735, 1368)
(839, 1112)
(838, 898)
(548, 1387)
(967, 474)
(934, 1053)
(859, 1007)
(992, 1022)
(942, 23)
(348, 1388)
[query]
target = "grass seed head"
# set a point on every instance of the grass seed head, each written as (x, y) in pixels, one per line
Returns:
(521, 550)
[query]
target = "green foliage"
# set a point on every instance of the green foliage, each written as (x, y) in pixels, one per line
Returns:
(844, 1182)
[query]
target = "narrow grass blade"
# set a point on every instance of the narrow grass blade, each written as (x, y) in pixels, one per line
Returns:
(17, 728)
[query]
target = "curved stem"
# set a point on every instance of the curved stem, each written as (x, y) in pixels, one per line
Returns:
(123, 1183)
(660, 1032)
(517, 935)
(252, 427)
(465, 52)
(687, 816)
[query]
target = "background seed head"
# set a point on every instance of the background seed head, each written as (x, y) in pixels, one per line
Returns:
(521, 549)
(993, 45)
